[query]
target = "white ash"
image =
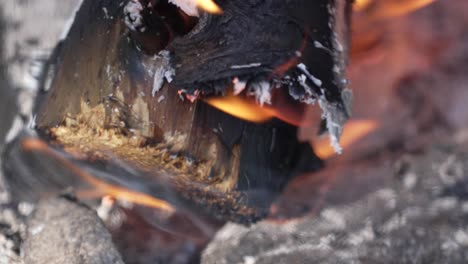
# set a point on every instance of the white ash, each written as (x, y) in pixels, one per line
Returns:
(334, 217)
(13, 227)
(451, 170)
(190, 7)
(461, 237)
(133, 17)
(338, 45)
(249, 260)
(262, 92)
(315, 80)
(319, 45)
(309, 95)
(335, 119)
(365, 235)
(158, 80)
(106, 13)
(25, 208)
(444, 204)
(35, 230)
(169, 75)
(163, 72)
(239, 86)
(409, 231)
(410, 180)
(246, 66)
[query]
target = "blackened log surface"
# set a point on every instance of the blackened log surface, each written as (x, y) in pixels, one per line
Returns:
(264, 35)
(419, 215)
(63, 231)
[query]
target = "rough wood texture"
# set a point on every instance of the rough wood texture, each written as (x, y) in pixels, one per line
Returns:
(267, 33)
(100, 101)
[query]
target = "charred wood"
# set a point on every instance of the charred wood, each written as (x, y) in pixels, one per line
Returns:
(111, 100)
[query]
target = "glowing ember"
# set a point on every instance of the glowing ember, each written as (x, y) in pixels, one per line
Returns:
(353, 131)
(101, 187)
(209, 6)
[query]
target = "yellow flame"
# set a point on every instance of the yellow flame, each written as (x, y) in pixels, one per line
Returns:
(352, 132)
(209, 6)
(241, 108)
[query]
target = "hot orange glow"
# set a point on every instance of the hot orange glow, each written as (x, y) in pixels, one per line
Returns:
(242, 108)
(361, 4)
(101, 187)
(209, 6)
(384, 9)
(400, 7)
(353, 131)
(247, 109)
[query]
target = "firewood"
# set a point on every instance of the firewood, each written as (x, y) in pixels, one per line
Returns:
(117, 95)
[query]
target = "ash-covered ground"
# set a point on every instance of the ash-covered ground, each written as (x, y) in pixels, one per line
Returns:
(419, 215)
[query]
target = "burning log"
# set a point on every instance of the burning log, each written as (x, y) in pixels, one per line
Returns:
(120, 74)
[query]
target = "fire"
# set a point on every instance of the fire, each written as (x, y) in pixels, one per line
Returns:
(101, 188)
(353, 131)
(209, 6)
(361, 4)
(248, 109)
(384, 9)
(242, 108)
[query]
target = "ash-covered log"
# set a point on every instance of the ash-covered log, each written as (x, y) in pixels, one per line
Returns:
(120, 74)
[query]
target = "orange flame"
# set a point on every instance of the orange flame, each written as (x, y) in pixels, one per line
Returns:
(242, 108)
(102, 187)
(384, 9)
(361, 4)
(209, 6)
(247, 109)
(352, 132)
